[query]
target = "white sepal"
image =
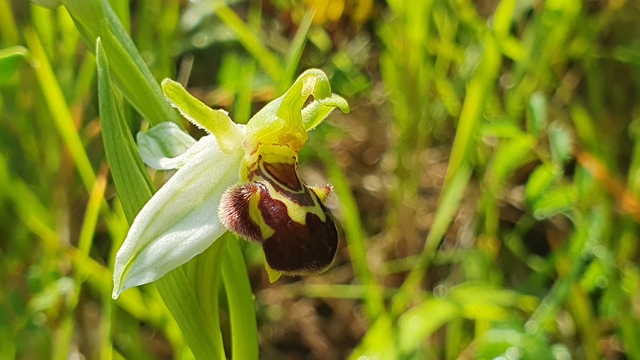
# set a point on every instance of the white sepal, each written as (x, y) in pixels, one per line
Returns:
(181, 220)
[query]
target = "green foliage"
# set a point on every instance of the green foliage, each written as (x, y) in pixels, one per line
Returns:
(486, 180)
(9, 61)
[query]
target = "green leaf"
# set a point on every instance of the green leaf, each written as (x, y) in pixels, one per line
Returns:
(191, 294)
(95, 18)
(539, 181)
(447, 93)
(51, 4)
(537, 113)
(476, 301)
(555, 201)
(379, 341)
(129, 174)
(501, 342)
(501, 129)
(561, 143)
(417, 324)
(478, 89)
(9, 61)
(509, 156)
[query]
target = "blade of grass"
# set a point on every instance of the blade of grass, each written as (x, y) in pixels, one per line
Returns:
(295, 51)
(8, 27)
(356, 238)
(10, 59)
(546, 312)
(65, 330)
(458, 170)
(380, 341)
(269, 62)
(121, 8)
(244, 89)
(38, 218)
(129, 174)
(95, 18)
(84, 79)
(68, 40)
(471, 115)
(448, 205)
(57, 106)
(42, 20)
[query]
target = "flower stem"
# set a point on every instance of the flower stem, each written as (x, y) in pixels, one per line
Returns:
(244, 332)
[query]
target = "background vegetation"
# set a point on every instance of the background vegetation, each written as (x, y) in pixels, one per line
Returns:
(487, 180)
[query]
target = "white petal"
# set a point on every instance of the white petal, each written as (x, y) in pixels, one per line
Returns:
(181, 219)
(166, 146)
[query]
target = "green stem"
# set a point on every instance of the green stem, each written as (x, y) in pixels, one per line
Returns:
(191, 295)
(244, 328)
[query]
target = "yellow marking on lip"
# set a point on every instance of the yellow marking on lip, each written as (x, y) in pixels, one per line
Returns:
(295, 211)
(283, 154)
(256, 215)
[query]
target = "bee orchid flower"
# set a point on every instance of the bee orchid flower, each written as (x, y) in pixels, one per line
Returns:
(240, 178)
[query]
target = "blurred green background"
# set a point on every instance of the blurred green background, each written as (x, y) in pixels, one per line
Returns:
(487, 180)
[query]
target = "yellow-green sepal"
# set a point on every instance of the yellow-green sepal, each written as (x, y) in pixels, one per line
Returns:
(274, 275)
(216, 122)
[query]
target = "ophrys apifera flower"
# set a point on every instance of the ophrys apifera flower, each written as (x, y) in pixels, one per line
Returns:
(240, 178)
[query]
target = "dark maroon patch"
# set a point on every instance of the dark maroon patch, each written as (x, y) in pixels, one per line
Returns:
(234, 211)
(284, 174)
(297, 249)
(286, 177)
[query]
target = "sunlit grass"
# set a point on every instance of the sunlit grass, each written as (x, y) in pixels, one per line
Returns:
(486, 181)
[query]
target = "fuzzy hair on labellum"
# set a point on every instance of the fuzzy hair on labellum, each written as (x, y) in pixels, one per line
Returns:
(234, 211)
(290, 221)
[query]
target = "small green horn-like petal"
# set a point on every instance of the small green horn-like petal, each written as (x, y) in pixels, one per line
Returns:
(314, 113)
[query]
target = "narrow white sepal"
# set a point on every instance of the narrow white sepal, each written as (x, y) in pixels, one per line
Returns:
(180, 221)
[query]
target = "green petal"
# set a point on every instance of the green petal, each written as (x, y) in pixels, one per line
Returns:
(284, 122)
(216, 122)
(314, 113)
(166, 146)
